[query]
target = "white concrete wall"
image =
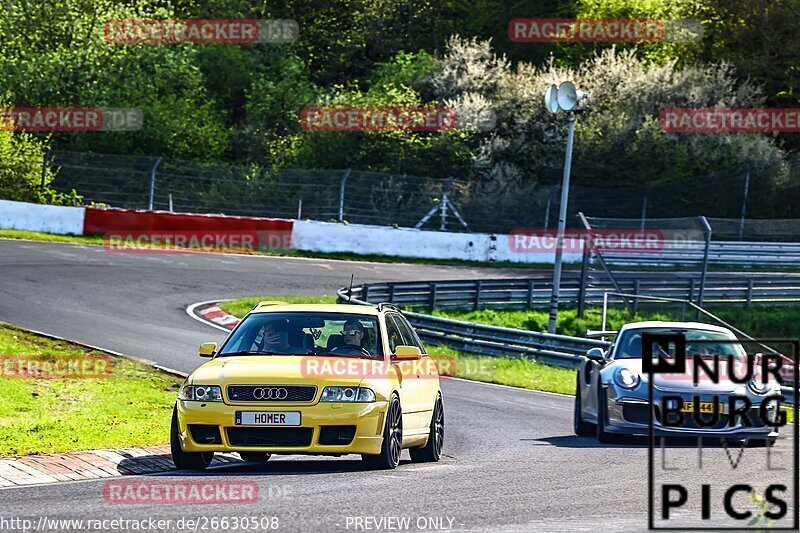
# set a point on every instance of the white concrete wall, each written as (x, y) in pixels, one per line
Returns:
(36, 217)
(313, 236)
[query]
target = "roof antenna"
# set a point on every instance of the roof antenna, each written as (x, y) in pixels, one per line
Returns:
(350, 290)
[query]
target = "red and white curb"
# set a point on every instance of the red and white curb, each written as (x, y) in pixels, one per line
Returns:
(211, 314)
(95, 464)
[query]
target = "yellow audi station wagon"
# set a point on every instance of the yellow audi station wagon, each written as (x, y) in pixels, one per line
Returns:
(312, 379)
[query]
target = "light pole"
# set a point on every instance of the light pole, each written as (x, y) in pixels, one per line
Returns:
(562, 98)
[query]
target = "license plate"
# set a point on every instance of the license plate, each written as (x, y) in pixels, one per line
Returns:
(705, 407)
(267, 418)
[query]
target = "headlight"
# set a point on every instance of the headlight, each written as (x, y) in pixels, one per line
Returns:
(347, 394)
(201, 393)
(626, 378)
(758, 386)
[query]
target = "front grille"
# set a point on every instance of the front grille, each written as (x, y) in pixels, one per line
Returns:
(269, 436)
(636, 413)
(271, 393)
(690, 423)
(333, 435)
(204, 434)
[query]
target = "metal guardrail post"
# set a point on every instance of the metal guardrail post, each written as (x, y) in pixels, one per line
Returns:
(365, 293)
(477, 302)
(153, 183)
(586, 225)
(584, 279)
(342, 183)
(391, 292)
(48, 156)
(547, 207)
(749, 293)
(530, 293)
(433, 295)
(635, 299)
(707, 228)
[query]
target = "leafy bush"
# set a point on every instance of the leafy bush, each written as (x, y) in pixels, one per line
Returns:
(21, 162)
(619, 140)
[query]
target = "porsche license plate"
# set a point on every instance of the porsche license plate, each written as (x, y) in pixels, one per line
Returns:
(267, 418)
(705, 407)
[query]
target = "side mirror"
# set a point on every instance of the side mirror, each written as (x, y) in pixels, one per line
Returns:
(598, 355)
(407, 352)
(207, 349)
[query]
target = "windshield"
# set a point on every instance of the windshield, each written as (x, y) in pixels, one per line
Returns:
(305, 333)
(629, 344)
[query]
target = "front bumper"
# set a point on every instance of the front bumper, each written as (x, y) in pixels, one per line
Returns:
(367, 418)
(631, 416)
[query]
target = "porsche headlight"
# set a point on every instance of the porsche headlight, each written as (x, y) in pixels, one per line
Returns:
(347, 394)
(627, 378)
(201, 393)
(758, 386)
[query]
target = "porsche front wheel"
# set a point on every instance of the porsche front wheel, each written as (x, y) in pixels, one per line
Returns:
(581, 427)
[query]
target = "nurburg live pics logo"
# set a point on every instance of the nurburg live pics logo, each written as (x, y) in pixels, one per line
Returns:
(721, 497)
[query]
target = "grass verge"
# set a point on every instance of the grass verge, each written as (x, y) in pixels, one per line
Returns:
(504, 371)
(129, 407)
(760, 321)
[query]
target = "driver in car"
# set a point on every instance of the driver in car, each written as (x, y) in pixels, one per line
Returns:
(276, 336)
(353, 332)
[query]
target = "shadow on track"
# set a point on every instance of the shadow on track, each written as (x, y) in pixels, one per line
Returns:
(233, 467)
(573, 441)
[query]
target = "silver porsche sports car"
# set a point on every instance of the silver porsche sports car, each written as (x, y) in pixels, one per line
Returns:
(612, 395)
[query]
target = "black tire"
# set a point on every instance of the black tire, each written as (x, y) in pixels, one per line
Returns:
(392, 445)
(255, 457)
(581, 427)
(186, 460)
(602, 414)
(432, 451)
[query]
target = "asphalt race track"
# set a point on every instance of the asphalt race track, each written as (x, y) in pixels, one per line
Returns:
(511, 460)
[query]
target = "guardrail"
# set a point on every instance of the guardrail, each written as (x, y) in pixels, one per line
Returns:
(536, 292)
(725, 253)
(557, 350)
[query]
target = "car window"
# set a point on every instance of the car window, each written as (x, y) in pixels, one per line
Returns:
(305, 333)
(629, 345)
(410, 337)
(393, 333)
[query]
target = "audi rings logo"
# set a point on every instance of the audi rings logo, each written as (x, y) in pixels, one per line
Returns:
(270, 393)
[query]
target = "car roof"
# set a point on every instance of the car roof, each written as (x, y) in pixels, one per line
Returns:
(674, 325)
(318, 308)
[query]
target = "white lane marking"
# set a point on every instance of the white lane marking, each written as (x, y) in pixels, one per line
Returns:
(190, 311)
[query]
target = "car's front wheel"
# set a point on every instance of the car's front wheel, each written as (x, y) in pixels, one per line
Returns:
(602, 415)
(392, 445)
(186, 460)
(432, 451)
(581, 426)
